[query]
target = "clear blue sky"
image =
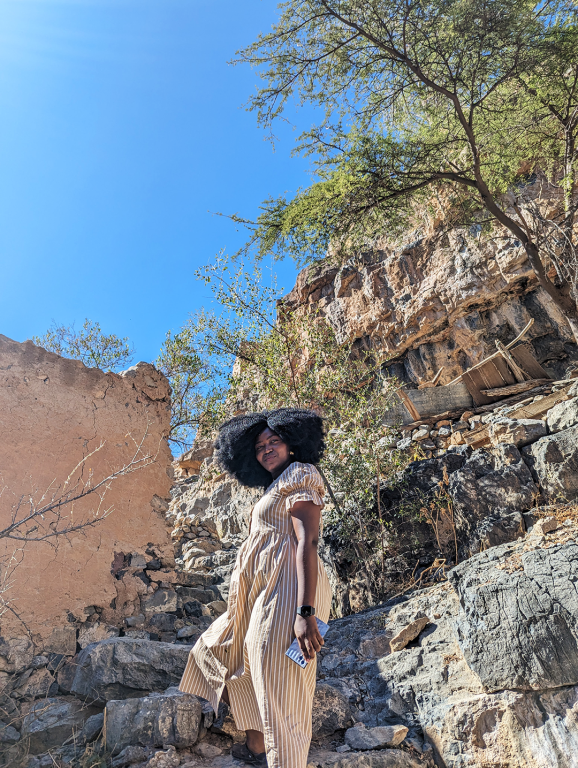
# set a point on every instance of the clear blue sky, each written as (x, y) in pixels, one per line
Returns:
(122, 127)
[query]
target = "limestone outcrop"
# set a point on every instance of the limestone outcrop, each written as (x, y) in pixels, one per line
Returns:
(489, 681)
(478, 670)
(437, 303)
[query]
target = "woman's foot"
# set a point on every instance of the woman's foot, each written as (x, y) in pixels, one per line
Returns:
(242, 752)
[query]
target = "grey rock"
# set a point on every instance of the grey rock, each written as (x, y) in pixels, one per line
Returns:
(92, 727)
(51, 721)
(153, 721)
(518, 432)
(518, 627)
(499, 528)
(554, 460)
(381, 736)
(563, 415)
(404, 444)
(135, 621)
(432, 690)
(331, 710)
(492, 484)
(62, 640)
(385, 758)
(40, 661)
(130, 756)
(573, 391)
(8, 734)
(162, 622)
(37, 684)
(65, 674)
(16, 654)
(544, 525)
(202, 596)
(95, 632)
(161, 601)
(188, 631)
(121, 667)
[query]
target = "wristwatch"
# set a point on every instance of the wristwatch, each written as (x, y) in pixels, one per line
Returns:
(306, 611)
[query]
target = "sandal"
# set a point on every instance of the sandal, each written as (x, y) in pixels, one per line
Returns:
(242, 752)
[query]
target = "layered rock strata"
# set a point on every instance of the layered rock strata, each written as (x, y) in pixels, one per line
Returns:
(438, 302)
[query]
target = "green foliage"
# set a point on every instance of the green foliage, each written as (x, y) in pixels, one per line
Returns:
(190, 381)
(460, 99)
(263, 353)
(95, 348)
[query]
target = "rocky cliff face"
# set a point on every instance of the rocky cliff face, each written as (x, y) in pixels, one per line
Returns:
(467, 665)
(437, 303)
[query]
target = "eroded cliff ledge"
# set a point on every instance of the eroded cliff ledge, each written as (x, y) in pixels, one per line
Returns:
(437, 302)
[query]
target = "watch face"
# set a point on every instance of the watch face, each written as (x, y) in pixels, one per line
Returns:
(306, 611)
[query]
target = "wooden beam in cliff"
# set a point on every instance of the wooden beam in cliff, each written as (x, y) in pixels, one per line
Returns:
(509, 366)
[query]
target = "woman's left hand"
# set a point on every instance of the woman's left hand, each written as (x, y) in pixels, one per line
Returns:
(308, 636)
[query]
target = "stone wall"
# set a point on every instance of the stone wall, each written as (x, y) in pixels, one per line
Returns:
(54, 412)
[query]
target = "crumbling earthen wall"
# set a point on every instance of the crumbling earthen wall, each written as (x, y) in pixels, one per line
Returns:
(53, 413)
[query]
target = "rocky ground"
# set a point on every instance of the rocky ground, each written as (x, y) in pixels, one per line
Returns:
(480, 669)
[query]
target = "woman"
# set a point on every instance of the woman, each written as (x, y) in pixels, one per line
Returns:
(278, 587)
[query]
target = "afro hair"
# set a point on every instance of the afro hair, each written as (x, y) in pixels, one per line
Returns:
(301, 429)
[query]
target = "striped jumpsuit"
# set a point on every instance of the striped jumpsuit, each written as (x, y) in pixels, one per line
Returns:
(244, 648)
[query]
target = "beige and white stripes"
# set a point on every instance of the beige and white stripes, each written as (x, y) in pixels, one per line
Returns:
(245, 648)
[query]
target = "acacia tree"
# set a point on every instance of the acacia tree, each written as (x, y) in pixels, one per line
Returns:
(95, 348)
(263, 356)
(441, 94)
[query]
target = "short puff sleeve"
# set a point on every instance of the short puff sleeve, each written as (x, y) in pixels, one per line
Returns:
(301, 482)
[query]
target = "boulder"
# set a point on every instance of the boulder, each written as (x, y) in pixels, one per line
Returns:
(123, 667)
(94, 633)
(51, 721)
(62, 640)
(491, 484)
(518, 432)
(16, 654)
(35, 684)
(92, 728)
(554, 460)
(381, 736)
(563, 415)
(386, 758)
(172, 718)
(431, 689)
(518, 627)
(161, 601)
(130, 756)
(331, 710)
(8, 734)
(499, 528)
(168, 759)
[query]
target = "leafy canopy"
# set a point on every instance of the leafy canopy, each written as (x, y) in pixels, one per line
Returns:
(417, 97)
(90, 345)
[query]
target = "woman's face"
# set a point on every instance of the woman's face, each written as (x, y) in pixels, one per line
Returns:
(271, 452)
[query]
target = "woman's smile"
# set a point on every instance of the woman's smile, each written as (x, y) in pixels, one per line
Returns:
(272, 452)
